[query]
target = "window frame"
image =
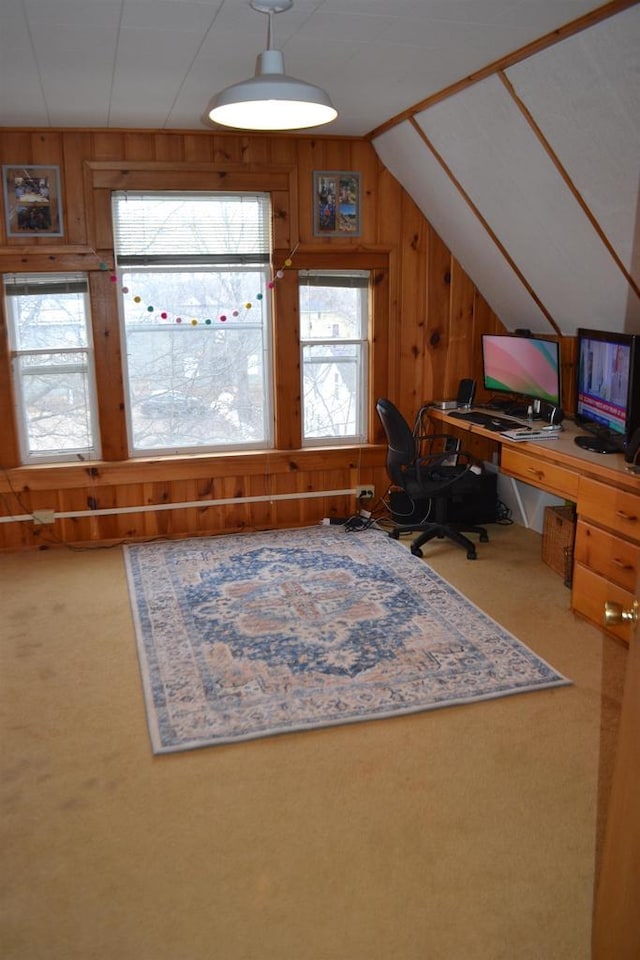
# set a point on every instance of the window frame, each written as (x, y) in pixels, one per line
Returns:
(203, 263)
(39, 283)
(363, 342)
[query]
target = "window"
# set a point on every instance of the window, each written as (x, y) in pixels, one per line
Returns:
(52, 366)
(194, 271)
(334, 324)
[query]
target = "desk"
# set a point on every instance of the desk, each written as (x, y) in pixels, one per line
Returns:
(607, 497)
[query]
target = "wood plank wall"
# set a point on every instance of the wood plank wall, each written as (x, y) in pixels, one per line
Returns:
(427, 321)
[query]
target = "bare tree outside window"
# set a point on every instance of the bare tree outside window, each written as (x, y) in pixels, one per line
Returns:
(195, 384)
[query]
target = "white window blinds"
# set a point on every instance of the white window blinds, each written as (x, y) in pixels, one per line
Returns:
(42, 284)
(206, 228)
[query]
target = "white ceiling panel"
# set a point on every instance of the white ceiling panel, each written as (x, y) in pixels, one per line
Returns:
(585, 96)
(413, 165)
(70, 38)
(169, 16)
(21, 93)
(59, 90)
(165, 59)
(491, 150)
(72, 14)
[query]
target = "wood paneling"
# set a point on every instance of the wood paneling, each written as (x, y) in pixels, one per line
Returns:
(414, 247)
(426, 323)
(108, 365)
(286, 350)
(461, 328)
(439, 313)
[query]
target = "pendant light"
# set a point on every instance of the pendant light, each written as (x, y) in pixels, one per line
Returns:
(271, 100)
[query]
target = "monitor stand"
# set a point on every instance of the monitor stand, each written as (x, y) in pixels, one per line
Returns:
(597, 444)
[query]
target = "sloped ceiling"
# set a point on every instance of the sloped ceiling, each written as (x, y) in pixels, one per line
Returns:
(532, 178)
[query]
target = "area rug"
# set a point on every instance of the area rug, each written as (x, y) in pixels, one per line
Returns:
(249, 635)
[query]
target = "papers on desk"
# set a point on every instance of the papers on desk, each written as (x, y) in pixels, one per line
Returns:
(525, 433)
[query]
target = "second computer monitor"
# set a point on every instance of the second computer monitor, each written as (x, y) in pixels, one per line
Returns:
(527, 367)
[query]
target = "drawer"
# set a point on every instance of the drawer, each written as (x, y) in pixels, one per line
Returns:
(536, 471)
(612, 557)
(619, 510)
(589, 593)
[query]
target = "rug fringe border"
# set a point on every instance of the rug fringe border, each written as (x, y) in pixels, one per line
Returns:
(159, 749)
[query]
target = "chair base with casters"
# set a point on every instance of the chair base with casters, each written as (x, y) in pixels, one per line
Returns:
(441, 529)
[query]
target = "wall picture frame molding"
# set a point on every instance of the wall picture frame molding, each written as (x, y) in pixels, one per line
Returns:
(32, 200)
(336, 203)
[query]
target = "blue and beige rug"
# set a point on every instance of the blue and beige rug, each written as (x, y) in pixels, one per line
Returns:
(255, 634)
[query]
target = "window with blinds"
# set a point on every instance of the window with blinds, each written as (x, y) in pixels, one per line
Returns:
(334, 326)
(52, 366)
(193, 272)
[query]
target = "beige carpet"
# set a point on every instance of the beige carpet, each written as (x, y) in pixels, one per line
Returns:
(464, 834)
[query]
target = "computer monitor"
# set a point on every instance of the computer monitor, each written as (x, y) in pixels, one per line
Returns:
(607, 389)
(525, 367)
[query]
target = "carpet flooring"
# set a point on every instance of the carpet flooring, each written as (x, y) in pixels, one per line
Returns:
(459, 833)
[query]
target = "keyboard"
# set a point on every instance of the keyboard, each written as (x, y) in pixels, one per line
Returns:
(487, 420)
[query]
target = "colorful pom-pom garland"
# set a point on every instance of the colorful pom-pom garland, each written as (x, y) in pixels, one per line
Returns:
(164, 314)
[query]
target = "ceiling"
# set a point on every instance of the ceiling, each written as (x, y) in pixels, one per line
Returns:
(156, 63)
(530, 173)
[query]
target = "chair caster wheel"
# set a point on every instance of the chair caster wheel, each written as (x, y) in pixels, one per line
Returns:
(471, 554)
(416, 551)
(484, 538)
(394, 534)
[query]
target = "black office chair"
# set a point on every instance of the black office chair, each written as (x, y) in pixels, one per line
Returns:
(430, 467)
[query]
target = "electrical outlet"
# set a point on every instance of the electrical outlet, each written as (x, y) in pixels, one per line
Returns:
(365, 492)
(42, 517)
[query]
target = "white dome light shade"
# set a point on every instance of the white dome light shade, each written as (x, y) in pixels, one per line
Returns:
(272, 101)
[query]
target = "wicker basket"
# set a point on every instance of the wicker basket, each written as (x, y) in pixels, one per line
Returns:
(557, 540)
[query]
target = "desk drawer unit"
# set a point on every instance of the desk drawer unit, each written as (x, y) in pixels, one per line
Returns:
(607, 551)
(619, 510)
(539, 473)
(612, 557)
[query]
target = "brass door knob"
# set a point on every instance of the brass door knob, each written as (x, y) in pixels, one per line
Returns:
(615, 613)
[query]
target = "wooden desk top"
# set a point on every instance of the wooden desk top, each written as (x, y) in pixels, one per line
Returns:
(609, 468)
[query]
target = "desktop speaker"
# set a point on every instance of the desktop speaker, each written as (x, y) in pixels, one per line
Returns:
(550, 413)
(466, 392)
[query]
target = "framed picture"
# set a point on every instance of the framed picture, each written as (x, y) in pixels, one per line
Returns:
(32, 201)
(336, 203)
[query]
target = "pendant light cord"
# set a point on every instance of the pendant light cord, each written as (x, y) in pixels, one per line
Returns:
(269, 28)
